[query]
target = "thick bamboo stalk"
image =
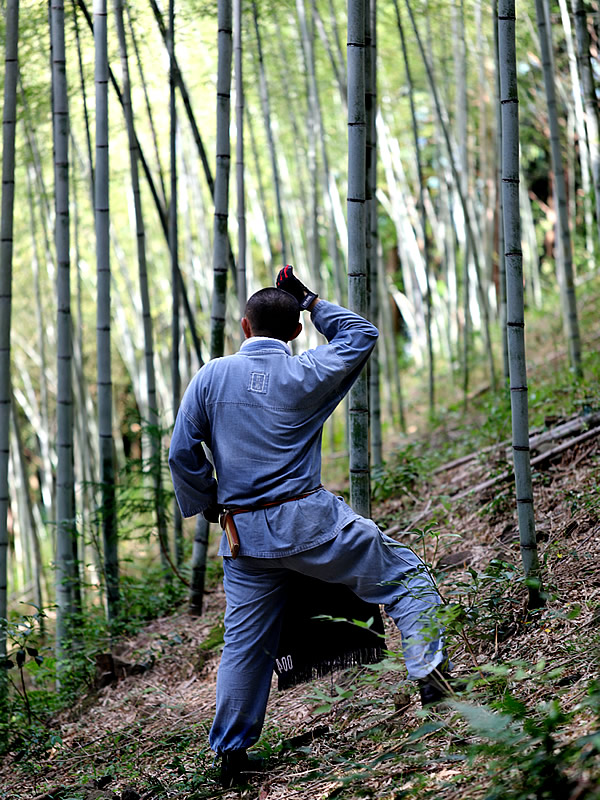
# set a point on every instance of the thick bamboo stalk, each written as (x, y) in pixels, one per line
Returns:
(103, 317)
(565, 266)
(514, 283)
(360, 493)
(65, 485)
(371, 235)
(220, 246)
(499, 213)
(11, 68)
(239, 154)
(174, 253)
(220, 235)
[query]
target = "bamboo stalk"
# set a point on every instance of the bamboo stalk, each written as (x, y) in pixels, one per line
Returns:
(371, 234)
(175, 272)
(103, 318)
(65, 486)
(514, 289)
(239, 154)
(220, 230)
(6, 256)
(360, 493)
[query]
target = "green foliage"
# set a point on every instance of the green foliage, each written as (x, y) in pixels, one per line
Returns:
(400, 473)
(485, 604)
(525, 751)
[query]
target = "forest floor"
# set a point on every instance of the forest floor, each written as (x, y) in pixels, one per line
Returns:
(526, 727)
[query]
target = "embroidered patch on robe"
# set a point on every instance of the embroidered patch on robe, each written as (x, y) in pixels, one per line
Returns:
(258, 382)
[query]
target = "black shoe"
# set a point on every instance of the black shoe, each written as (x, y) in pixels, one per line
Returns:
(437, 687)
(236, 767)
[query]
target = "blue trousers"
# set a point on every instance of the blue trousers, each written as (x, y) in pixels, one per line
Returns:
(373, 565)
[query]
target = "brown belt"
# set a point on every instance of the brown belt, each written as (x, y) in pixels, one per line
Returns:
(228, 523)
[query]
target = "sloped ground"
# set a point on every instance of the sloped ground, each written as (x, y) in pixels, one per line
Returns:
(361, 733)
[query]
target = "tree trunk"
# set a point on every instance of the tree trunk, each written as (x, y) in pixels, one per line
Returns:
(565, 270)
(514, 279)
(500, 213)
(371, 234)
(220, 238)
(360, 491)
(220, 249)
(65, 496)
(11, 69)
(242, 290)
(103, 318)
(174, 253)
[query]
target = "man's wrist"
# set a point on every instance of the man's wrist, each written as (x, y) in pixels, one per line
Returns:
(312, 305)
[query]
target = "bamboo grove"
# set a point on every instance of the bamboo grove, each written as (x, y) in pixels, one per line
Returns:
(435, 165)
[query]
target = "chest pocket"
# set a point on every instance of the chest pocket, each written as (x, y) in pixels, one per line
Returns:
(259, 382)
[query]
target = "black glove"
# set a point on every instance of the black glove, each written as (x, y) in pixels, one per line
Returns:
(287, 281)
(211, 514)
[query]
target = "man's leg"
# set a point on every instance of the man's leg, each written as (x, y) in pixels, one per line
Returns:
(255, 597)
(380, 570)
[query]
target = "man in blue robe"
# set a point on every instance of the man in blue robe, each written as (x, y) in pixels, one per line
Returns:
(261, 414)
